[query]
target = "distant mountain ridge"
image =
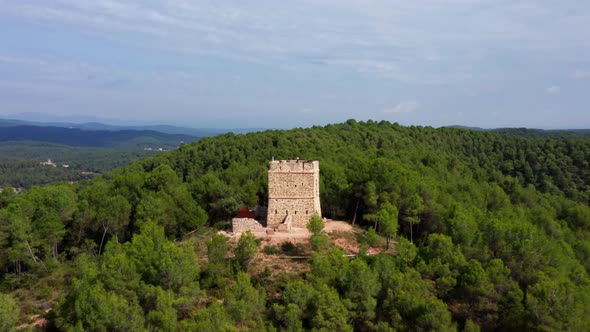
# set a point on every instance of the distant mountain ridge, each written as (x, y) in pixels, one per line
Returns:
(96, 125)
(93, 138)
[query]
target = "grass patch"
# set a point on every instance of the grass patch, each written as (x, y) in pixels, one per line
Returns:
(348, 236)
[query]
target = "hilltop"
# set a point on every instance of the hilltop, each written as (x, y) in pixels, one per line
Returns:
(492, 231)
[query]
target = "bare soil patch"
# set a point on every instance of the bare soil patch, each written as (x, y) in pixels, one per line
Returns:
(343, 234)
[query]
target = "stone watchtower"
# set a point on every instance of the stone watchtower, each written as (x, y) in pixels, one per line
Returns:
(293, 192)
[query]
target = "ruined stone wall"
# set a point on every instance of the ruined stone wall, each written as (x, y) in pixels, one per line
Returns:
(293, 190)
(240, 225)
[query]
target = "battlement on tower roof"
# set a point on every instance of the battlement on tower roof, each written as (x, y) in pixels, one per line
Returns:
(294, 166)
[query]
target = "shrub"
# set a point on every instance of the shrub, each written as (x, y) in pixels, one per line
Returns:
(372, 238)
(246, 250)
(289, 249)
(319, 242)
(315, 225)
(271, 250)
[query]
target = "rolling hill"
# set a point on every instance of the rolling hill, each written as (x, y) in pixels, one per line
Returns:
(492, 232)
(94, 138)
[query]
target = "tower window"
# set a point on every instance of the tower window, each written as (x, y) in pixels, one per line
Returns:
(287, 212)
(276, 211)
(295, 212)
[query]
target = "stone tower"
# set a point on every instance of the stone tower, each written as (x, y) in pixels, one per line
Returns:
(293, 192)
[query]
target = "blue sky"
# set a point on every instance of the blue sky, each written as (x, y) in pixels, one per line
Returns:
(282, 64)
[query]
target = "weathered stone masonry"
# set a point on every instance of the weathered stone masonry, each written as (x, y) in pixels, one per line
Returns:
(240, 225)
(293, 190)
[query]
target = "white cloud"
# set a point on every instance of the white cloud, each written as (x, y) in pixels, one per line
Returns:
(405, 45)
(383, 39)
(407, 106)
(49, 74)
(553, 90)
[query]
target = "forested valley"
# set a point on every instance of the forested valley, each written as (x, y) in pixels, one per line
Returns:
(20, 162)
(491, 232)
(83, 151)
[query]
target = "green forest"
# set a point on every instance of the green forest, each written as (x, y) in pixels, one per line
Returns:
(20, 162)
(490, 232)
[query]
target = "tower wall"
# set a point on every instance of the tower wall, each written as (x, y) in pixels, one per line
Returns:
(293, 189)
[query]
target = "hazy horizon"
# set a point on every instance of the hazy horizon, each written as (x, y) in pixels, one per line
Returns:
(75, 119)
(283, 65)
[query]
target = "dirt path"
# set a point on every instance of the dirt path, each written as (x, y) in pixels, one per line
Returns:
(335, 225)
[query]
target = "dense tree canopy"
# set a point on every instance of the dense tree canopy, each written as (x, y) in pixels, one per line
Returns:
(491, 231)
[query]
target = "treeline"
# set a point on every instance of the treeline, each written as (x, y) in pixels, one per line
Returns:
(492, 232)
(539, 133)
